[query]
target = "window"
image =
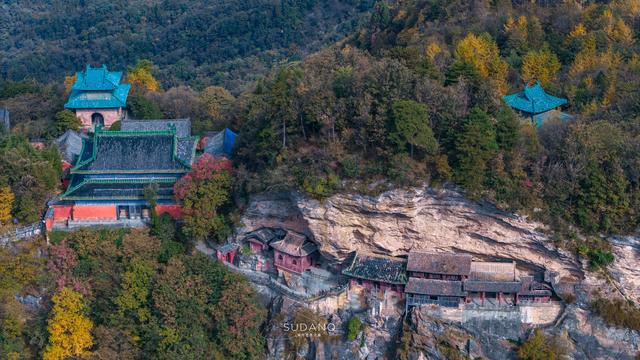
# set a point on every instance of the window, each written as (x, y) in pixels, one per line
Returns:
(280, 257)
(97, 119)
(294, 262)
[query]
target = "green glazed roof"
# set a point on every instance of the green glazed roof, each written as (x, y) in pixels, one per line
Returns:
(97, 79)
(534, 100)
(121, 189)
(98, 88)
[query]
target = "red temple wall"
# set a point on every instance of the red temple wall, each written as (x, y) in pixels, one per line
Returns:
(110, 116)
(287, 261)
(174, 210)
(62, 212)
(94, 212)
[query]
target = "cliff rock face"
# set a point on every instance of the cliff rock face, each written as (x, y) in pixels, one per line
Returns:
(420, 219)
(444, 221)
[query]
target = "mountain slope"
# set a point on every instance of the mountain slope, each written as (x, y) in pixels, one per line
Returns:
(200, 42)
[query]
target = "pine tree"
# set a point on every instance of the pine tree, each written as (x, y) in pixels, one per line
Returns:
(474, 147)
(411, 121)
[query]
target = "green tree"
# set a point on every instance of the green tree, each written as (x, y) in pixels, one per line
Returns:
(142, 108)
(411, 121)
(66, 120)
(474, 147)
(541, 347)
(136, 290)
(603, 200)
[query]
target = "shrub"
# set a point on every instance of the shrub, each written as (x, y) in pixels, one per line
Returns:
(354, 325)
(600, 258)
(617, 312)
(540, 346)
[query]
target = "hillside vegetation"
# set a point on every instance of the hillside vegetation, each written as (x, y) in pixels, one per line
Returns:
(197, 42)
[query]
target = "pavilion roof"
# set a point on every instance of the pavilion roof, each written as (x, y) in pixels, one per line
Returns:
(82, 188)
(380, 268)
(182, 126)
(434, 287)
(534, 100)
(70, 145)
(436, 263)
(111, 152)
(98, 88)
(99, 78)
(295, 244)
(265, 235)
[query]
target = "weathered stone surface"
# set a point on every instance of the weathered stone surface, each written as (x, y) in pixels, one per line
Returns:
(425, 219)
(420, 219)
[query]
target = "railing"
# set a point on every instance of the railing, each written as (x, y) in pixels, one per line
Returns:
(21, 233)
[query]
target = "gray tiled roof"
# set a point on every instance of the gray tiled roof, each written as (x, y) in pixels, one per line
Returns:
(70, 145)
(377, 268)
(435, 263)
(264, 235)
(183, 126)
(295, 244)
(133, 153)
(434, 287)
(493, 271)
(492, 286)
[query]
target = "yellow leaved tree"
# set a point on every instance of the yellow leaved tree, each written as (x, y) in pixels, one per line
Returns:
(69, 329)
(141, 77)
(6, 203)
(540, 65)
(482, 53)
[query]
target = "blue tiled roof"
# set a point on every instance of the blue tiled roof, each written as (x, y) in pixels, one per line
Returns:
(99, 99)
(221, 143)
(534, 100)
(93, 79)
(98, 88)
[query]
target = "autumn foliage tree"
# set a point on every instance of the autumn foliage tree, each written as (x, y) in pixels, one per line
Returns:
(204, 191)
(6, 203)
(141, 77)
(69, 328)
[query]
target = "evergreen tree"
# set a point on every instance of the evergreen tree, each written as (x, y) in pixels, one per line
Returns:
(411, 121)
(66, 120)
(474, 147)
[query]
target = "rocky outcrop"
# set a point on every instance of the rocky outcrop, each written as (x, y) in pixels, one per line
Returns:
(582, 336)
(421, 219)
(398, 221)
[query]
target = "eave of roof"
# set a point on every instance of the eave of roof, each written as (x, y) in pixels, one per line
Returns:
(85, 160)
(69, 194)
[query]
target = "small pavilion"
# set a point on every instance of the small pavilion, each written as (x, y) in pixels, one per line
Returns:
(98, 98)
(535, 104)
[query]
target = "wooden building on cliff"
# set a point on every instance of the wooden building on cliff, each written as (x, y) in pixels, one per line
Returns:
(376, 273)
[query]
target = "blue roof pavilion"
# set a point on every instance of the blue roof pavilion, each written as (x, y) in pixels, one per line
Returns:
(98, 88)
(533, 100)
